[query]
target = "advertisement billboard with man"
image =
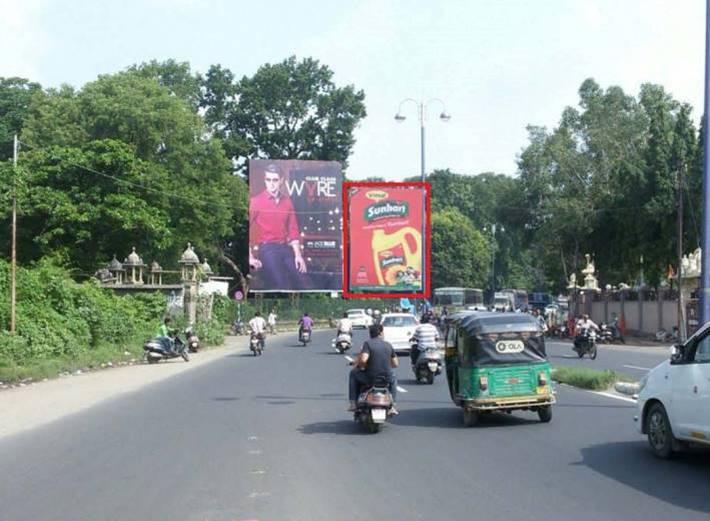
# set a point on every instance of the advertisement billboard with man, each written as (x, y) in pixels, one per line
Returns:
(387, 240)
(295, 225)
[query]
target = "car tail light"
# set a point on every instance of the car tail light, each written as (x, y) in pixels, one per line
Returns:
(542, 379)
(493, 336)
(483, 382)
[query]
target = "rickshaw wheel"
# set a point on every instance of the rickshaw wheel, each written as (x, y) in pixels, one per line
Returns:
(470, 418)
(545, 413)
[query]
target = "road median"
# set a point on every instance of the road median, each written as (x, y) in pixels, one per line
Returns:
(591, 379)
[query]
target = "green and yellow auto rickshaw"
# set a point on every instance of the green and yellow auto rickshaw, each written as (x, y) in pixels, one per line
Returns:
(497, 362)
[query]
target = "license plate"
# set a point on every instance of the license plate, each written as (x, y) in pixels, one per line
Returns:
(433, 367)
(378, 415)
(510, 346)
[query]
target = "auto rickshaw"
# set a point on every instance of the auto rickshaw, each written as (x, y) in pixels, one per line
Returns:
(497, 362)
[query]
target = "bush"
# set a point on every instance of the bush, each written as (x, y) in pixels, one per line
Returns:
(62, 325)
(588, 378)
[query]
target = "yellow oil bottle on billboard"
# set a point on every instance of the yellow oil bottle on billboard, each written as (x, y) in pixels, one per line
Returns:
(393, 254)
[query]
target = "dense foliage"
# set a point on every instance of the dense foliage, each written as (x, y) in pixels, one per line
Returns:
(58, 318)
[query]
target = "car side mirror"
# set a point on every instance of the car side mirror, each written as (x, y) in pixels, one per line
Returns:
(676, 352)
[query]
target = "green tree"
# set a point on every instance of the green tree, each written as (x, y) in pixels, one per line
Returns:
(460, 255)
(290, 110)
(124, 161)
(15, 97)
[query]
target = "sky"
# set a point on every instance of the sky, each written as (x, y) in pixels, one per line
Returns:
(495, 66)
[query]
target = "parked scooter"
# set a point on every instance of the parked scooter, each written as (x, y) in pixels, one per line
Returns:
(238, 327)
(160, 348)
(428, 365)
(257, 344)
(342, 342)
(193, 343)
(586, 343)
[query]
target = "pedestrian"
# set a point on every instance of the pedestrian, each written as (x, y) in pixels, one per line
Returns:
(271, 321)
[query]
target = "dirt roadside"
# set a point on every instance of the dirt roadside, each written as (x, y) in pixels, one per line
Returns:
(23, 408)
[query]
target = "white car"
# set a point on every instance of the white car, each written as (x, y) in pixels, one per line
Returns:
(398, 329)
(359, 318)
(674, 398)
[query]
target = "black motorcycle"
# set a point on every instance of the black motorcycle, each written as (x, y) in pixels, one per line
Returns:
(586, 343)
(257, 343)
(162, 348)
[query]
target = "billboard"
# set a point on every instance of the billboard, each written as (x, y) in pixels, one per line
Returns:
(295, 225)
(387, 240)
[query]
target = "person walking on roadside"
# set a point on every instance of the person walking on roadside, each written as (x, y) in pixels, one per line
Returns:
(271, 321)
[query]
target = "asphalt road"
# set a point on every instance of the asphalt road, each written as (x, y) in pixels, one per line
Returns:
(268, 438)
(635, 361)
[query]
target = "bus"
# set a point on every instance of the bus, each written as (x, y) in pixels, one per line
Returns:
(459, 298)
(520, 297)
(539, 300)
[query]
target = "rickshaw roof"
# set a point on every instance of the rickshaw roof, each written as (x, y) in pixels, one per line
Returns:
(485, 322)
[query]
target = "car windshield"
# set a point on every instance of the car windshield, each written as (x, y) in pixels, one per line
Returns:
(398, 321)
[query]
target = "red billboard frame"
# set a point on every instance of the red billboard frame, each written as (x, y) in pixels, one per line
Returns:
(427, 227)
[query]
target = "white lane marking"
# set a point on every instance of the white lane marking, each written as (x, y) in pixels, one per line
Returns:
(253, 438)
(254, 452)
(616, 396)
(637, 367)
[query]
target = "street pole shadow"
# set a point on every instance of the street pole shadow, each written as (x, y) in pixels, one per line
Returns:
(681, 481)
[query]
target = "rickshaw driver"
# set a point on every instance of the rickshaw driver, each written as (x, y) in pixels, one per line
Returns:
(378, 359)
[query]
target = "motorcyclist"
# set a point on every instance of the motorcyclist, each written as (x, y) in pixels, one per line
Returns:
(304, 324)
(164, 335)
(426, 336)
(257, 326)
(583, 326)
(345, 326)
(542, 323)
(377, 358)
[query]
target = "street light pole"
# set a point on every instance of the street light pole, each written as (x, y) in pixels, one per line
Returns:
(705, 263)
(13, 254)
(421, 110)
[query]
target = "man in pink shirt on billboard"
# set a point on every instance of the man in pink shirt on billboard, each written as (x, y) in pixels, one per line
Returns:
(274, 237)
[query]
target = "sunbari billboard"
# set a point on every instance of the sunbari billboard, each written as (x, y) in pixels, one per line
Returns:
(387, 240)
(295, 225)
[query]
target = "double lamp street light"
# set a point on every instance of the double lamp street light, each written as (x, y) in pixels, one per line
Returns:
(421, 111)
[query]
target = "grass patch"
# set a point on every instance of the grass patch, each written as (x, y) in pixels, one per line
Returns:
(588, 378)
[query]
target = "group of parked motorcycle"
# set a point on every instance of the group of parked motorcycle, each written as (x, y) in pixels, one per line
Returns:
(165, 348)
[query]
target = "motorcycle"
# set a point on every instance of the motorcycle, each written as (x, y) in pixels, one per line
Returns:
(586, 343)
(606, 335)
(193, 343)
(305, 336)
(158, 349)
(428, 365)
(342, 342)
(256, 344)
(237, 327)
(373, 406)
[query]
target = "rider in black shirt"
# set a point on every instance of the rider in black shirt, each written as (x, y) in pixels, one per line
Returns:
(377, 358)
